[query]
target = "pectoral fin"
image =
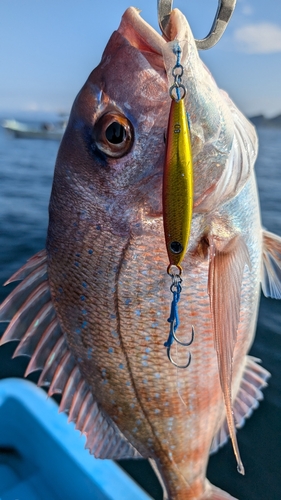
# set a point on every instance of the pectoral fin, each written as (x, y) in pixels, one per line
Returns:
(271, 280)
(227, 262)
(246, 401)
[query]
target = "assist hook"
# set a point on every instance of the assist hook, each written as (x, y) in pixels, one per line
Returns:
(222, 18)
(174, 322)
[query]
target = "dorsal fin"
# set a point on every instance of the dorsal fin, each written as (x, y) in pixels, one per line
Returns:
(16, 298)
(226, 269)
(271, 281)
(35, 331)
(32, 263)
(34, 323)
(70, 390)
(247, 400)
(48, 339)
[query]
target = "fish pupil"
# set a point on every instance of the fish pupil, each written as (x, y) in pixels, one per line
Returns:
(176, 247)
(115, 133)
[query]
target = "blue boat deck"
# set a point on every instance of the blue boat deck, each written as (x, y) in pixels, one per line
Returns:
(42, 457)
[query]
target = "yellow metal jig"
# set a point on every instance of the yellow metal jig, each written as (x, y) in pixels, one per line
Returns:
(177, 184)
(177, 198)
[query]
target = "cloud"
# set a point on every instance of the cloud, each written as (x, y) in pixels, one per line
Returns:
(246, 7)
(247, 10)
(262, 38)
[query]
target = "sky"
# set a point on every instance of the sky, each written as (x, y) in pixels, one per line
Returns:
(49, 47)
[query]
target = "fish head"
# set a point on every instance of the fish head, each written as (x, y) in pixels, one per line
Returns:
(111, 157)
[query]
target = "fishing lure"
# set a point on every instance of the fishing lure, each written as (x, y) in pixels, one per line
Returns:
(177, 196)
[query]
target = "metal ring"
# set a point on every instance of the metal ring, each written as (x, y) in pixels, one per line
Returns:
(222, 18)
(177, 86)
(175, 288)
(177, 67)
(174, 270)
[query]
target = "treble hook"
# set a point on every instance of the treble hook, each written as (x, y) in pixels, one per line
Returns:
(222, 18)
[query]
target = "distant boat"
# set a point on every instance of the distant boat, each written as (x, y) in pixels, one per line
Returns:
(46, 130)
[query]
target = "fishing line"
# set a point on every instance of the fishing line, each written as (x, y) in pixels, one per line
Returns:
(178, 381)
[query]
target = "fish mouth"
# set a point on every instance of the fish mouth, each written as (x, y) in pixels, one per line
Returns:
(143, 37)
(139, 33)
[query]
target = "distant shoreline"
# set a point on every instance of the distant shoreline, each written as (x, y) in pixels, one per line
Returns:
(37, 117)
(262, 121)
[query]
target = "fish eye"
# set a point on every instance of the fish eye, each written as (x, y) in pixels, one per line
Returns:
(113, 134)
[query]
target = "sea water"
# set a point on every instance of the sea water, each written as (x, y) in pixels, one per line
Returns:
(26, 171)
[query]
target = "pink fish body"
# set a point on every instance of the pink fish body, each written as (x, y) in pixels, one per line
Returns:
(92, 311)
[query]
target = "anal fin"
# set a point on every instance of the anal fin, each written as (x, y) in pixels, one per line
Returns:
(214, 493)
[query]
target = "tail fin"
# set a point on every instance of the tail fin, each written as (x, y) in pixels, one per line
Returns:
(215, 493)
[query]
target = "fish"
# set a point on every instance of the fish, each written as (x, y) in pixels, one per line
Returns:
(91, 309)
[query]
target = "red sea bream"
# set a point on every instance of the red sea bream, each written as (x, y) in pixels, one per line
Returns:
(91, 310)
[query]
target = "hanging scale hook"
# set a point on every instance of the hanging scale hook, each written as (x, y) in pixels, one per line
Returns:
(222, 18)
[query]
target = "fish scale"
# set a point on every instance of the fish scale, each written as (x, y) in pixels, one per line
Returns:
(102, 319)
(130, 300)
(138, 261)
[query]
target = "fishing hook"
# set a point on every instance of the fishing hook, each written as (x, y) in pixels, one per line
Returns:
(169, 342)
(224, 12)
(174, 323)
(184, 344)
(176, 364)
